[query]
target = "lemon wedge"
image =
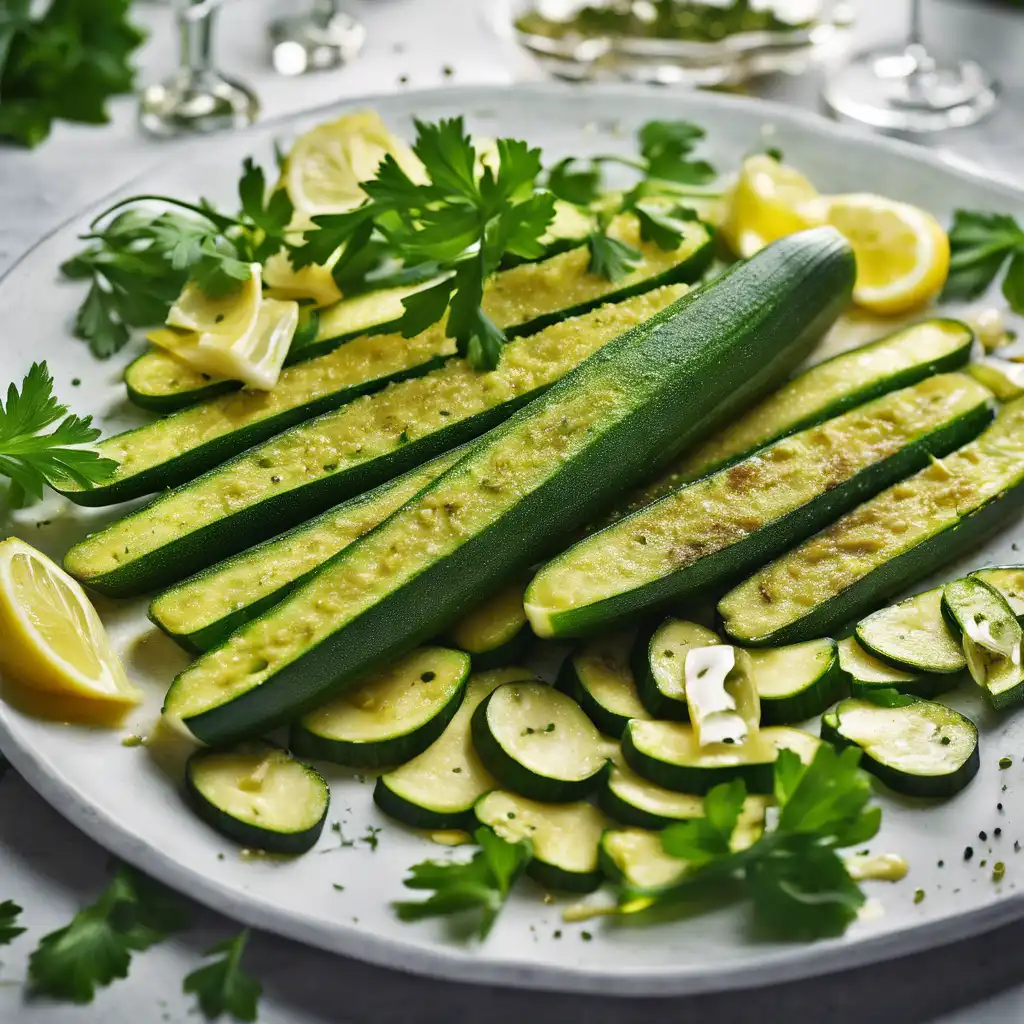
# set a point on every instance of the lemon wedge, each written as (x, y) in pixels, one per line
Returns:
(325, 166)
(768, 201)
(53, 640)
(902, 251)
(314, 282)
(231, 316)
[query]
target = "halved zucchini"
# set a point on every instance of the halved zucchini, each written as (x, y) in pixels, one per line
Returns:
(437, 789)
(711, 531)
(866, 674)
(797, 682)
(599, 679)
(1004, 379)
(915, 747)
(390, 718)
(1009, 581)
(668, 754)
(204, 610)
(564, 837)
(991, 637)
(537, 742)
(258, 796)
(886, 544)
(495, 632)
(659, 658)
(635, 858)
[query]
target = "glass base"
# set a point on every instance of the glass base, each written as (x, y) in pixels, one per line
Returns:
(909, 90)
(308, 43)
(192, 102)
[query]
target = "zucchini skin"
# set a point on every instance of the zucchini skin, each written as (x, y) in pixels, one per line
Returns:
(926, 686)
(509, 653)
(550, 876)
(415, 816)
(830, 686)
(626, 813)
(608, 722)
(173, 401)
(658, 705)
(669, 356)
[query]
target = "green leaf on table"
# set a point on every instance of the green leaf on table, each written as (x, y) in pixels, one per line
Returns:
(9, 930)
(223, 987)
(980, 244)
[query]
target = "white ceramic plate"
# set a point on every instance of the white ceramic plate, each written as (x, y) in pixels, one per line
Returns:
(123, 798)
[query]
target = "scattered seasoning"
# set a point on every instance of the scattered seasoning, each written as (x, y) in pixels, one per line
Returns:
(456, 771)
(548, 899)
(360, 778)
(968, 852)
(76, 382)
(982, 863)
(511, 815)
(918, 895)
(550, 727)
(1016, 846)
(942, 863)
(998, 871)
(997, 832)
(999, 807)
(275, 479)
(131, 740)
(1004, 788)
(1013, 547)
(370, 838)
(1005, 762)
(944, 740)
(983, 835)
(557, 933)
(447, 70)
(343, 843)
(586, 936)
(337, 887)
(220, 856)
(403, 79)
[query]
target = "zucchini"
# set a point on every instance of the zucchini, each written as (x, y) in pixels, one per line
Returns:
(991, 637)
(632, 800)
(798, 682)
(659, 658)
(866, 674)
(721, 526)
(437, 789)
(563, 837)
(537, 742)
(534, 478)
(258, 796)
(390, 718)
(886, 544)
(721, 697)
(495, 632)
(311, 466)
(1004, 379)
(668, 754)
(914, 746)
(635, 858)
(598, 677)
(913, 635)
(1009, 581)
(204, 610)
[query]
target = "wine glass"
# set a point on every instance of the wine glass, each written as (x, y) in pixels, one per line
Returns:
(909, 89)
(197, 97)
(324, 37)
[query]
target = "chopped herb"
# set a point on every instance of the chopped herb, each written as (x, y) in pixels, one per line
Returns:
(968, 852)
(222, 987)
(337, 887)
(983, 835)
(997, 832)
(1005, 762)
(918, 895)
(586, 936)
(9, 931)
(371, 838)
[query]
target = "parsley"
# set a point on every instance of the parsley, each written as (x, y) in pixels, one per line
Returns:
(981, 244)
(610, 257)
(797, 882)
(481, 884)
(32, 458)
(63, 64)
(131, 914)
(9, 911)
(461, 222)
(222, 986)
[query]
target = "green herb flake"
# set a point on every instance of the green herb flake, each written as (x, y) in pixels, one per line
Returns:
(223, 987)
(918, 896)
(1005, 762)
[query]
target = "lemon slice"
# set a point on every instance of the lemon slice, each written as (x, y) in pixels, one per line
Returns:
(53, 639)
(325, 167)
(314, 282)
(232, 316)
(902, 251)
(768, 201)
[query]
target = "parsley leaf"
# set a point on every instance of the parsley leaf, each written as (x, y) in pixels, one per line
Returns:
(31, 458)
(575, 181)
(981, 244)
(610, 257)
(9, 931)
(481, 884)
(132, 913)
(667, 148)
(222, 986)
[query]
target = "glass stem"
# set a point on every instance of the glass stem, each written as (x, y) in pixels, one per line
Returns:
(196, 28)
(324, 11)
(916, 37)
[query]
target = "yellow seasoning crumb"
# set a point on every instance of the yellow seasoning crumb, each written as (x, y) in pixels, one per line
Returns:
(549, 899)
(131, 740)
(918, 895)
(998, 870)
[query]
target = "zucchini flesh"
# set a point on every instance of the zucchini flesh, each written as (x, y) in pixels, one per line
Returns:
(824, 391)
(913, 635)
(1004, 379)
(390, 718)
(991, 637)
(797, 682)
(311, 466)
(259, 797)
(564, 837)
(1009, 581)
(537, 742)
(599, 678)
(204, 610)
(726, 524)
(494, 633)
(668, 754)
(866, 674)
(904, 533)
(659, 660)
(636, 858)
(438, 788)
(535, 477)
(917, 748)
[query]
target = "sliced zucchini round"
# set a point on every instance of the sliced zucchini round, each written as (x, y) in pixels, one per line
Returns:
(918, 748)
(991, 636)
(797, 682)
(537, 742)
(599, 678)
(635, 858)
(495, 633)
(258, 796)
(865, 674)
(668, 754)
(437, 789)
(659, 658)
(913, 635)
(392, 717)
(1008, 580)
(564, 837)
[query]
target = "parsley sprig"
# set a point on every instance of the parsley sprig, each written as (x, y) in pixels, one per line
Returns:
(9, 930)
(223, 986)
(138, 261)
(32, 458)
(981, 244)
(460, 222)
(479, 885)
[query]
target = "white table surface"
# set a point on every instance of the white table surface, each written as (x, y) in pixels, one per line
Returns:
(52, 870)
